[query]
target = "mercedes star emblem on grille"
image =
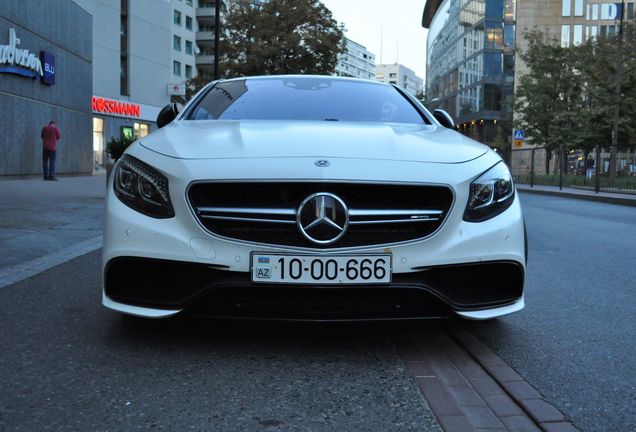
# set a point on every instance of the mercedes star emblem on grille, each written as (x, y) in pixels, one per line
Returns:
(323, 218)
(322, 163)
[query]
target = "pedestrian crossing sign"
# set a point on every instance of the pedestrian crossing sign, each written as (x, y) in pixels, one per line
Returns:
(518, 135)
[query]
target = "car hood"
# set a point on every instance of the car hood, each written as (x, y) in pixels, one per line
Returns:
(231, 139)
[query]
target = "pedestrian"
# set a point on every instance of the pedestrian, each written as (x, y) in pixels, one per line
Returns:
(589, 167)
(50, 134)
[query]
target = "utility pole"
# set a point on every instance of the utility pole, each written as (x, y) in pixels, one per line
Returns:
(617, 100)
(217, 36)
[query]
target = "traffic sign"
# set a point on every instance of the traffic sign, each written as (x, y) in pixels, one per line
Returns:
(518, 143)
(518, 135)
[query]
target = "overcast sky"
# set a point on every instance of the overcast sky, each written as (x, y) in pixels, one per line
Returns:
(401, 24)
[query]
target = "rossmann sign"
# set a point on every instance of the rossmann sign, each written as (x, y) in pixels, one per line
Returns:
(115, 107)
(20, 61)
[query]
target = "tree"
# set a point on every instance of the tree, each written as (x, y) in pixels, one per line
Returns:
(549, 96)
(280, 37)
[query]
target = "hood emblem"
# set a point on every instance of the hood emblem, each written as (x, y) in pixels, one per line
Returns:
(322, 163)
(323, 218)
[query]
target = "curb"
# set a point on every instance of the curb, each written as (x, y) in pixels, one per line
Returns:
(631, 202)
(469, 388)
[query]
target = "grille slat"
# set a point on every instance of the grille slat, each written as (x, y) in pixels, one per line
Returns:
(266, 212)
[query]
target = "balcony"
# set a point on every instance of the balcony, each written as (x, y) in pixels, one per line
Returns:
(205, 59)
(203, 36)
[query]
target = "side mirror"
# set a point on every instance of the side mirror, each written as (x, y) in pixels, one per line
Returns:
(443, 117)
(167, 114)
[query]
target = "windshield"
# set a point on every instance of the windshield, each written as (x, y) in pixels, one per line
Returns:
(306, 98)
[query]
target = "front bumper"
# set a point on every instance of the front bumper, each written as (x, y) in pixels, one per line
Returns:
(162, 267)
(156, 288)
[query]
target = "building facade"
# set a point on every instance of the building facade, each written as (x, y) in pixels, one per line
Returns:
(45, 74)
(132, 67)
(472, 65)
(470, 62)
(184, 40)
(401, 76)
(356, 61)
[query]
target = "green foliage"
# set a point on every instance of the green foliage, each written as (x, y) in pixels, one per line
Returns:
(567, 97)
(117, 146)
(280, 37)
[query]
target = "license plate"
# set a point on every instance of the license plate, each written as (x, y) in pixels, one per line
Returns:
(324, 270)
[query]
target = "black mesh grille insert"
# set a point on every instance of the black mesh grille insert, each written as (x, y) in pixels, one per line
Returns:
(286, 195)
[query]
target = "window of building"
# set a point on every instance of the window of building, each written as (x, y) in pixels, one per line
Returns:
(509, 35)
(188, 71)
(566, 7)
(494, 8)
(392, 82)
(176, 42)
(492, 97)
(492, 65)
(177, 17)
(188, 47)
(98, 140)
(379, 76)
(578, 35)
(141, 130)
(630, 11)
(509, 9)
(565, 35)
(609, 11)
(603, 31)
(176, 68)
(578, 7)
(594, 32)
(189, 2)
(188, 22)
(595, 11)
(494, 35)
(392, 75)
(611, 30)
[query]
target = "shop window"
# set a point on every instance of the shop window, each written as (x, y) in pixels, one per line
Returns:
(492, 97)
(141, 130)
(98, 141)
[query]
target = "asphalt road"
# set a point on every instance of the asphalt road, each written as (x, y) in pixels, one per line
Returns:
(66, 363)
(576, 339)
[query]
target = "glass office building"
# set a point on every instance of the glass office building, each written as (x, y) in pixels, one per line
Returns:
(470, 63)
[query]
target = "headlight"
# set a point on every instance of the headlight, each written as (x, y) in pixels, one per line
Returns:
(142, 188)
(490, 194)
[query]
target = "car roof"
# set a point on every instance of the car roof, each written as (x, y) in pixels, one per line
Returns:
(299, 76)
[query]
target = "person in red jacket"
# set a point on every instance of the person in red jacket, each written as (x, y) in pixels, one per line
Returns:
(50, 134)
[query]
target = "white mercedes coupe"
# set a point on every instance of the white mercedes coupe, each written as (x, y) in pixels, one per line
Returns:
(311, 198)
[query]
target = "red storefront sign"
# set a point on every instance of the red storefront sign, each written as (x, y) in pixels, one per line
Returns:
(110, 106)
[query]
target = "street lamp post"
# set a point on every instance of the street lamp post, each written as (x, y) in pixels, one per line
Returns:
(617, 99)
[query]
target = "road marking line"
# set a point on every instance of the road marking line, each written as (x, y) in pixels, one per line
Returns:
(22, 271)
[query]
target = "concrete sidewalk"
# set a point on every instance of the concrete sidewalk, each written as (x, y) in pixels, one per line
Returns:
(589, 195)
(45, 223)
